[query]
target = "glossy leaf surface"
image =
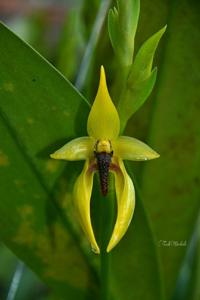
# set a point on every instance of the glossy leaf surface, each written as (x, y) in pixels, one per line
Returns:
(38, 107)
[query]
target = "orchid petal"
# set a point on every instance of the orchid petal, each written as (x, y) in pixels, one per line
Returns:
(132, 149)
(82, 196)
(125, 204)
(103, 121)
(77, 149)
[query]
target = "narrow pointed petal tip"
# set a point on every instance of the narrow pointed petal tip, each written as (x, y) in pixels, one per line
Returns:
(155, 155)
(103, 77)
(53, 155)
(125, 193)
(82, 197)
(103, 120)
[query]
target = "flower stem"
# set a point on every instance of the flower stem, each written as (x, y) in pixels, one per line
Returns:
(104, 276)
(107, 218)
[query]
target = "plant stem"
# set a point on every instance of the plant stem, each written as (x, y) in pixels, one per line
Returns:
(104, 256)
(106, 226)
(104, 276)
(98, 24)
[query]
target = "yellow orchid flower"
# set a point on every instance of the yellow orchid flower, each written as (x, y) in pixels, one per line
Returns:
(104, 151)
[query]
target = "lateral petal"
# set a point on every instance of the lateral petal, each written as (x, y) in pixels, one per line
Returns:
(129, 148)
(103, 120)
(77, 149)
(82, 196)
(125, 204)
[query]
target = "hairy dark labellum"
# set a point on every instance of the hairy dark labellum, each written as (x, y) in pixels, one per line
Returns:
(103, 164)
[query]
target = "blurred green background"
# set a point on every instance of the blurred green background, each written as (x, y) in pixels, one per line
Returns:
(159, 257)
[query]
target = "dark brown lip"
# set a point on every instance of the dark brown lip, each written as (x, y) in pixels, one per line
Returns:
(103, 165)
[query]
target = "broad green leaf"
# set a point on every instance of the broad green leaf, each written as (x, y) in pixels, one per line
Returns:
(171, 184)
(134, 97)
(31, 227)
(39, 104)
(122, 25)
(39, 109)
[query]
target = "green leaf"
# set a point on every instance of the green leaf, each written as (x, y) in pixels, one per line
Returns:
(40, 105)
(142, 65)
(140, 80)
(155, 15)
(31, 227)
(122, 25)
(39, 108)
(134, 97)
(171, 183)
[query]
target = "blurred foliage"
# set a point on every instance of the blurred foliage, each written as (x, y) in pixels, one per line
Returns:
(71, 45)
(89, 11)
(172, 199)
(40, 110)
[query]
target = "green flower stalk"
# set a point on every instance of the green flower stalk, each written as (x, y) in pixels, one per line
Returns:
(104, 151)
(134, 76)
